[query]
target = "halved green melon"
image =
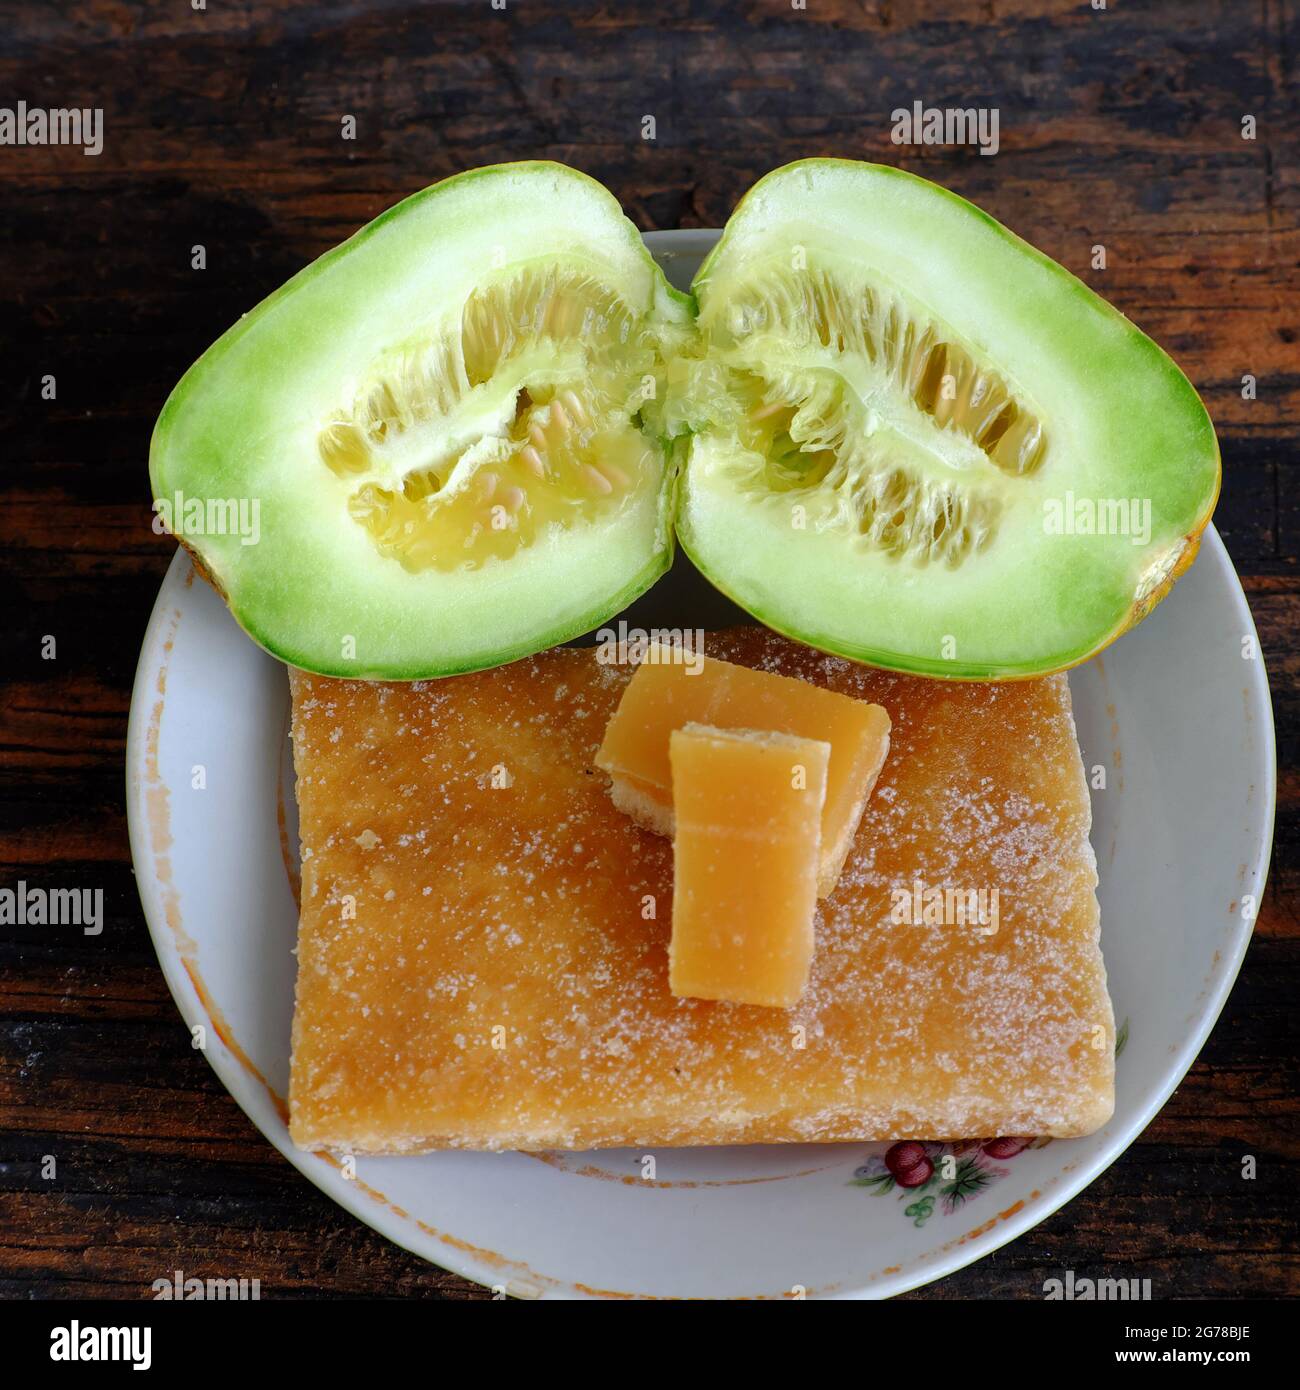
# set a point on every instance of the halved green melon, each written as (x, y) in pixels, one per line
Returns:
(426, 452)
(911, 438)
(928, 446)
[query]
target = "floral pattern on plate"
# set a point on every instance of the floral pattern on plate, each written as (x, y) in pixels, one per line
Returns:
(930, 1177)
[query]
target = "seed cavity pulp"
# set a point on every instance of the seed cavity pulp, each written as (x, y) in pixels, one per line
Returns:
(522, 418)
(861, 404)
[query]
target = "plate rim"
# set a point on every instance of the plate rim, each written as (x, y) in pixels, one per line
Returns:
(257, 1104)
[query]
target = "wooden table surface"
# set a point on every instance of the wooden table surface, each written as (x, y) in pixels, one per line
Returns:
(222, 128)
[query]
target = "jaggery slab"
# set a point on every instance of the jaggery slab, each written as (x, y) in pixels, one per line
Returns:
(746, 851)
(483, 947)
(668, 691)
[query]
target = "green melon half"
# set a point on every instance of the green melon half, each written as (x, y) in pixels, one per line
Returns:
(437, 429)
(939, 451)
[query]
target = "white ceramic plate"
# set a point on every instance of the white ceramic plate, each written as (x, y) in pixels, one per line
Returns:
(1178, 715)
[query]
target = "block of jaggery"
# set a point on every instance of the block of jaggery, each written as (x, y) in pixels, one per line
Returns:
(668, 691)
(746, 851)
(483, 948)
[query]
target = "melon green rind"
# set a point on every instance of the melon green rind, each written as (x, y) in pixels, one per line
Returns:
(243, 423)
(1124, 421)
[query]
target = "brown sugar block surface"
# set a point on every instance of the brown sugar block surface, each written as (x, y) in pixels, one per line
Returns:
(479, 966)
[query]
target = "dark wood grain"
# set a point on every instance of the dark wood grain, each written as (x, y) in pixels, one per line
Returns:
(1120, 127)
